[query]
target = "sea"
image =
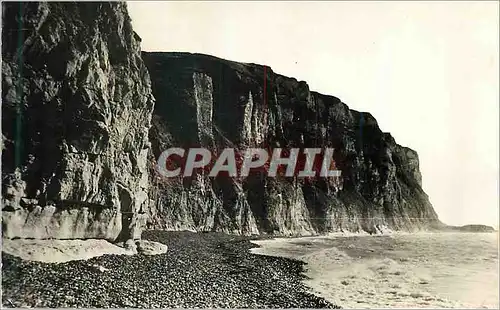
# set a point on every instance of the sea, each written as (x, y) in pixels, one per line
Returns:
(397, 270)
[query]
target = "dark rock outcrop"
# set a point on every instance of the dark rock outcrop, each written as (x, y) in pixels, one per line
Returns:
(76, 111)
(472, 228)
(214, 103)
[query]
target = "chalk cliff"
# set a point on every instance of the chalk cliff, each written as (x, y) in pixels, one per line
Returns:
(76, 111)
(81, 133)
(206, 101)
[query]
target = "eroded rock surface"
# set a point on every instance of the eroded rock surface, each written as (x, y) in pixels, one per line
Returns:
(248, 105)
(81, 134)
(76, 111)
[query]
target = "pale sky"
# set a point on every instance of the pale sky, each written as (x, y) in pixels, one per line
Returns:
(427, 71)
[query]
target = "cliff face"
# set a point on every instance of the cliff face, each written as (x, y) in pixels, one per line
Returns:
(76, 111)
(79, 151)
(206, 101)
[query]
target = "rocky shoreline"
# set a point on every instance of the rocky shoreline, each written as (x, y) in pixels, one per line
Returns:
(200, 270)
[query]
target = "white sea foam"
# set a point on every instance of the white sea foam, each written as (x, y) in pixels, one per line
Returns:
(422, 270)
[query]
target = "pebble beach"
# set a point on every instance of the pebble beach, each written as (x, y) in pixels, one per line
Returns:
(199, 270)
